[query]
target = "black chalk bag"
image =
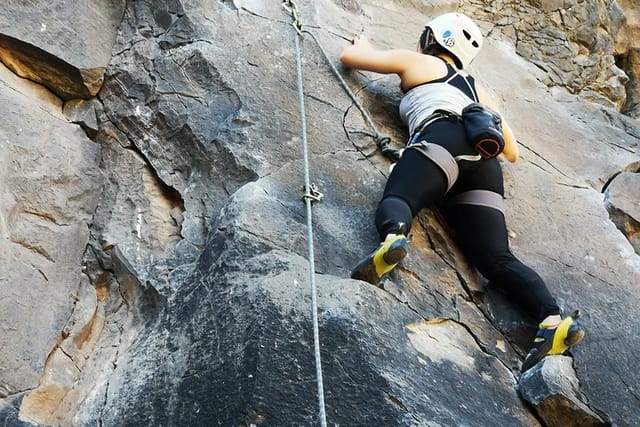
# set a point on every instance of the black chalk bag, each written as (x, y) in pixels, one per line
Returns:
(484, 130)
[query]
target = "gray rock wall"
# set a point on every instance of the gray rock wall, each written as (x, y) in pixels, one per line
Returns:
(154, 254)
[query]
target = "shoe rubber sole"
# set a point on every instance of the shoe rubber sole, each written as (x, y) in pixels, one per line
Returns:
(568, 333)
(381, 261)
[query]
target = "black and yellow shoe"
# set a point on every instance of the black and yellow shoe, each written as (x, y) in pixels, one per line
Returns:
(382, 260)
(556, 340)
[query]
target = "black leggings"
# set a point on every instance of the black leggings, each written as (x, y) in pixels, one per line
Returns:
(480, 231)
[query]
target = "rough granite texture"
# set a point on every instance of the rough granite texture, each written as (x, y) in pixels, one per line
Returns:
(153, 255)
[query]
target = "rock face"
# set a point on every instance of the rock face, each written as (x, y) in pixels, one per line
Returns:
(63, 46)
(553, 390)
(154, 256)
(50, 185)
(621, 200)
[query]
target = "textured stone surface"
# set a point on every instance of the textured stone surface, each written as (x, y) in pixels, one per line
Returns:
(622, 199)
(50, 185)
(65, 46)
(183, 295)
(553, 390)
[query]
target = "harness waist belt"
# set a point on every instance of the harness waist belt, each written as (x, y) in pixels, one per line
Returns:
(433, 117)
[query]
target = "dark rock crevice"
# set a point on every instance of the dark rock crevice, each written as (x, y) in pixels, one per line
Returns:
(633, 168)
(618, 190)
(39, 66)
(628, 62)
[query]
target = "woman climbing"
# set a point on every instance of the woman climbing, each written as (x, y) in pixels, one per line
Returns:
(440, 167)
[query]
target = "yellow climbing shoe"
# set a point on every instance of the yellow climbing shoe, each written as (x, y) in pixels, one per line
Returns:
(554, 340)
(382, 260)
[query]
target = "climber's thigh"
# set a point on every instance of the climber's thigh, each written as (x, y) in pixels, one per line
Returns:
(417, 180)
(478, 175)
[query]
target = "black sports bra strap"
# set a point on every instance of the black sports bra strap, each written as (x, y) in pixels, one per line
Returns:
(455, 79)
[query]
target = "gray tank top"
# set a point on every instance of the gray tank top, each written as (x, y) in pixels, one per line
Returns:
(451, 93)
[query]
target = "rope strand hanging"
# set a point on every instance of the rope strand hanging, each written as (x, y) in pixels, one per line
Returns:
(308, 199)
(383, 142)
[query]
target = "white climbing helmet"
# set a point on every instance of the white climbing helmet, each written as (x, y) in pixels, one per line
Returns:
(457, 34)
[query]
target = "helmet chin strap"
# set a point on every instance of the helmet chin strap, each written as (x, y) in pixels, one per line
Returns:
(430, 38)
(447, 57)
(427, 39)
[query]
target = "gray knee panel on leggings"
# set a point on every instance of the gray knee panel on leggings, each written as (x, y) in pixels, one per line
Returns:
(485, 198)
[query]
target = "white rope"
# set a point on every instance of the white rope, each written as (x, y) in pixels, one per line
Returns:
(308, 199)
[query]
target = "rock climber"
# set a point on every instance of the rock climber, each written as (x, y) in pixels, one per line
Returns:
(439, 167)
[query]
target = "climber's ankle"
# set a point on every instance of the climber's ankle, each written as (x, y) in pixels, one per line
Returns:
(552, 321)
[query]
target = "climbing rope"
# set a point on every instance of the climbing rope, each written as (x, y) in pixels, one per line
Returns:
(310, 195)
(382, 141)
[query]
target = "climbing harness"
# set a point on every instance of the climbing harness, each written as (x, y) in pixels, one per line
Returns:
(383, 142)
(310, 194)
(434, 117)
(441, 157)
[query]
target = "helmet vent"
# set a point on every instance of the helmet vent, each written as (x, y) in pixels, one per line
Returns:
(468, 36)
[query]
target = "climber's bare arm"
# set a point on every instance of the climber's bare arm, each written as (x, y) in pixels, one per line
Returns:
(413, 68)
